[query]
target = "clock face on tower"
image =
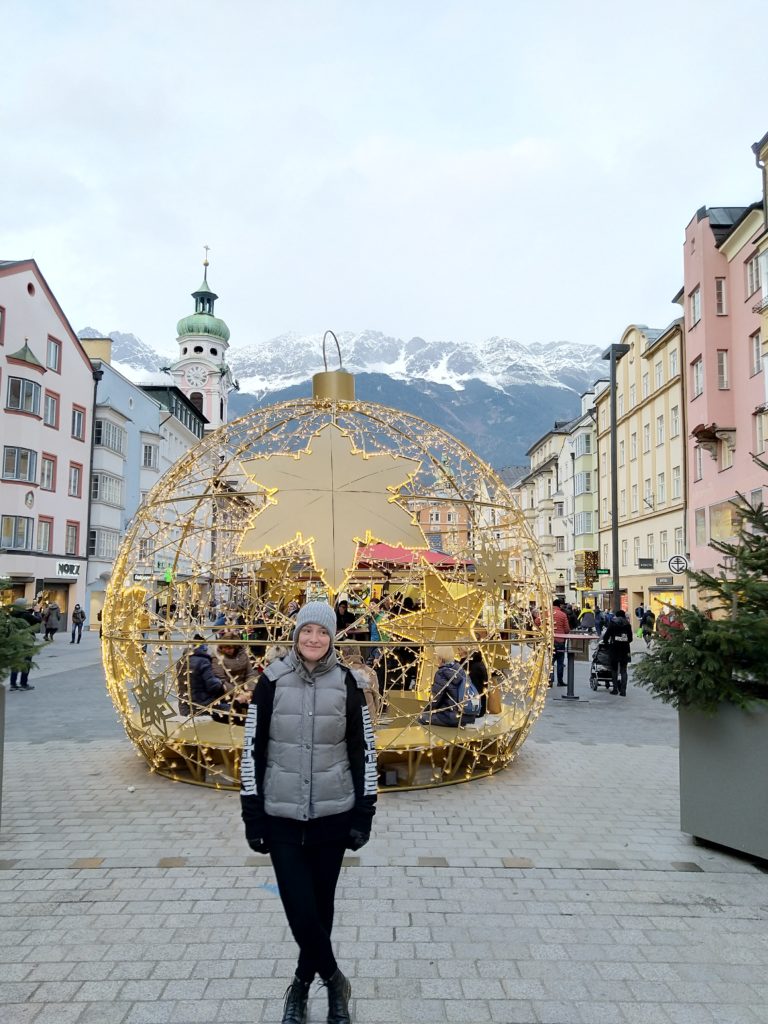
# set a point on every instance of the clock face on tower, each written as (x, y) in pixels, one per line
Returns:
(196, 376)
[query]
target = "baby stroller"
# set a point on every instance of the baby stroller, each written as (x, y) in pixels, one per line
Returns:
(600, 669)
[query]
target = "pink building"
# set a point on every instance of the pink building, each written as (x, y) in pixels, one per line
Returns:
(725, 382)
(46, 402)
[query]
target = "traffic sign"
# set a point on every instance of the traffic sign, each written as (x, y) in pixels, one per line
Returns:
(603, 572)
(678, 564)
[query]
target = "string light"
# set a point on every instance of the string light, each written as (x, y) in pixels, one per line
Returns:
(226, 527)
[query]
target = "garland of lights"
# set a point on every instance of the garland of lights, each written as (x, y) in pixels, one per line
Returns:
(320, 498)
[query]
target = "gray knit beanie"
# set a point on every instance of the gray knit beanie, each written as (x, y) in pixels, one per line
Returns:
(317, 613)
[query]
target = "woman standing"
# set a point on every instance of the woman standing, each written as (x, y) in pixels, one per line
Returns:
(308, 791)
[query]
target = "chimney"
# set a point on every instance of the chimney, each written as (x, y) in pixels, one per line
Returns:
(98, 348)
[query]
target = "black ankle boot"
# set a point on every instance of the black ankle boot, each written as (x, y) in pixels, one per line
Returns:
(339, 992)
(295, 1006)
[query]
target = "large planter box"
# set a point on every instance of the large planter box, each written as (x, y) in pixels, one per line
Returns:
(723, 773)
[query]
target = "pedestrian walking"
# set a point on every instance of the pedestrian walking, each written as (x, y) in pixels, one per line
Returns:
(78, 618)
(308, 792)
(647, 625)
(618, 637)
(22, 617)
(51, 621)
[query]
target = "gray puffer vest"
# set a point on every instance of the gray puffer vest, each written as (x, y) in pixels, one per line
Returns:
(308, 773)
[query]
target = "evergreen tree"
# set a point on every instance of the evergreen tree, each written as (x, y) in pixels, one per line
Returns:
(721, 654)
(17, 638)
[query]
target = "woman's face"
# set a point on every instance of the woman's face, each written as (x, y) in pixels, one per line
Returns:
(313, 643)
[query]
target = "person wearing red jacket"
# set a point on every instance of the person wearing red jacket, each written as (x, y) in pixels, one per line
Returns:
(561, 628)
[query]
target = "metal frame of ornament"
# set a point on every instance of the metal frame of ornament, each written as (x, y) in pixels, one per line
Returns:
(197, 542)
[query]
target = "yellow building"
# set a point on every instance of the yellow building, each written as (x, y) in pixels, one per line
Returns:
(651, 469)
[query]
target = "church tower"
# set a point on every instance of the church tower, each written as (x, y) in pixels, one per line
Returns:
(201, 370)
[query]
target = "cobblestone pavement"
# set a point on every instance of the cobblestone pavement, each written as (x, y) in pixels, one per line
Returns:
(559, 891)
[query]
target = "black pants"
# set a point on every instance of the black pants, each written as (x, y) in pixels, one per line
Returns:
(307, 877)
(616, 667)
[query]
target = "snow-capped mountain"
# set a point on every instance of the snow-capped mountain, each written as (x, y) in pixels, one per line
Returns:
(497, 395)
(498, 362)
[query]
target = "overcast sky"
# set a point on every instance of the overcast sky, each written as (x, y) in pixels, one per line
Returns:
(422, 167)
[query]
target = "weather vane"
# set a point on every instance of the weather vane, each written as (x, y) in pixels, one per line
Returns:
(207, 250)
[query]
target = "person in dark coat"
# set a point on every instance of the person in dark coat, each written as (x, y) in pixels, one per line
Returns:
(618, 637)
(198, 686)
(51, 621)
(477, 671)
(78, 618)
(444, 707)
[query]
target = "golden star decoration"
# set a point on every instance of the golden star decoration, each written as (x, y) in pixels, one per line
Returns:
(332, 497)
(448, 616)
(152, 700)
(492, 568)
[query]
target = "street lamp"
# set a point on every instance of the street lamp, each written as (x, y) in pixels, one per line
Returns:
(613, 353)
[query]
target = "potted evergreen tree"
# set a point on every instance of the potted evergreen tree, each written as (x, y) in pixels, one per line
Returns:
(715, 672)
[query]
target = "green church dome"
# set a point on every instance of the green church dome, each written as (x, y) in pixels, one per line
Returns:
(203, 323)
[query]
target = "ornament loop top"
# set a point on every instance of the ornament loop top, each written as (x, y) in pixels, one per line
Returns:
(338, 349)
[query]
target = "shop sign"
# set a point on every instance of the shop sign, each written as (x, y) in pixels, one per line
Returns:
(645, 563)
(67, 570)
(664, 581)
(143, 576)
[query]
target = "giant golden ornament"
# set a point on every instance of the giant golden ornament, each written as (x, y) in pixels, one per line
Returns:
(329, 496)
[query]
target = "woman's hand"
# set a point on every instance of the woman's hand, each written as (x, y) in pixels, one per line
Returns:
(357, 839)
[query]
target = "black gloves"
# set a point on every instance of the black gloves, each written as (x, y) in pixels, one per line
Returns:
(357, 839)
(258, 845)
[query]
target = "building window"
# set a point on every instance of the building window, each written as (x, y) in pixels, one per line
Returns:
(604, 463)
(720, 304)
(623, 503)
(646, 437)
(604, 516)
(698, 463)
(559, 543)
(650, 546)
(434, 517)
(107, 489)
(659, 374)
(103, 544)
(2, 325)
(71, 538)
(661, 489)
(760, 431)
(673, 362)
(726, 455)
(605, 557)
(75, 488)
(17, 532)
(676, 479)
(679, 541)
(636, 550)
(583, 483)
(146, 549)
(53, 355)
(583, 445)
(603, 418)
(700, 517)
(48, 473)
(621, 453)
(634, 497)
(20, 464)
(694, 306)
(149, 461)
(674, 421)
(755, 353)
(44, 534)
(78, 422)
(624, 552)
(583, 523)
(646, 385)
(663, 545)
(633, 445)
(722, 369)
(697, 377)
(647, 493)
(753, 275)
(632, 396)
(51, 410)
(449, 517)
(559, 508)
(23, 396)
(108, 435)
(660, 429)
